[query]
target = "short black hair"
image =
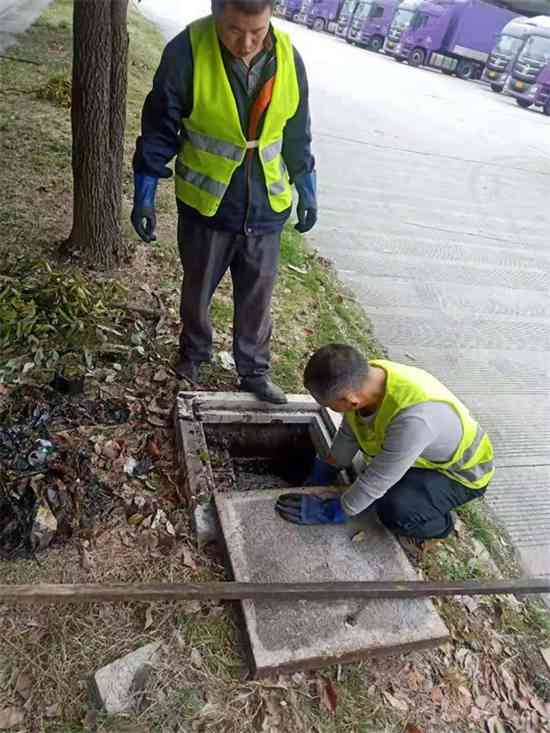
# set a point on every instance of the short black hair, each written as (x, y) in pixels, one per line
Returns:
(333, 370)
(249, 7)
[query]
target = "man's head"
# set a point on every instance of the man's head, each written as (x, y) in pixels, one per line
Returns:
(242, 25)
(338, 376)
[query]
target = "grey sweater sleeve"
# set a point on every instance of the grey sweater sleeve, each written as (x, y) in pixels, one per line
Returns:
(432, 430)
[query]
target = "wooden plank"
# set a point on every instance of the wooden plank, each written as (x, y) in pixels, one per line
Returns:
(285, 592)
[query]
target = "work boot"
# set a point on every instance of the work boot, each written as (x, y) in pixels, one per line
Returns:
(264, 389)
(187, 369)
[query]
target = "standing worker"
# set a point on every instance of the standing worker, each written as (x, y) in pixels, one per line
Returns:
(230, 99)
(426, 454)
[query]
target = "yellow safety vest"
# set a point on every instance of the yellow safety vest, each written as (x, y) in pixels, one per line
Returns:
(215, 145)
(471, 465)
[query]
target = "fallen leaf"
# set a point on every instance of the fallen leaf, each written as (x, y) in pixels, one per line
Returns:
(86, 560)
(11, 717)
(437, 695)
(540, 707)
(148, 618)
(187, 557)
(195, 658)
(90, 720)
(152, 448)
(157, 422)
(299, 270)
(135, 519)
(412, 728)
(328, 697)
(226, 360)
(510, 682)
(111, 449)
(161, 376)
(359, 537)
(53, 711)
(494, 725)
(414, 680)
(396, 702)
(465, 693)
(23, 685)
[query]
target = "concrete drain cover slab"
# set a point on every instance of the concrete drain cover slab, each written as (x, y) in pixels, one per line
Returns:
(304, 635)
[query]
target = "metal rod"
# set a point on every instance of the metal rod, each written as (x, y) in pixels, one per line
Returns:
(228, 591)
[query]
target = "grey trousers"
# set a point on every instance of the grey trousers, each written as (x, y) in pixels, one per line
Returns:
(206, 255)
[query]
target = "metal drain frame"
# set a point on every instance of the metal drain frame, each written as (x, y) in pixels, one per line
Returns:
(195, 409)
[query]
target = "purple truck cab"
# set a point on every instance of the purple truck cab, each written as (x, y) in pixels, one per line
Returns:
(288, 9)
(455, 36)
(401, 21)
(371, 23)
(320, 14)
(508, 47)
(529, 80)
(342, 26)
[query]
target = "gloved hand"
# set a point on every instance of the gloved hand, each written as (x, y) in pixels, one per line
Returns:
(307, 509)
(322, 474)
(145, 188)
(306, 185)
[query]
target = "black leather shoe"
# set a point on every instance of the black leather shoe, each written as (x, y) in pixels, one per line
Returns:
(187, 369)
(264, 389)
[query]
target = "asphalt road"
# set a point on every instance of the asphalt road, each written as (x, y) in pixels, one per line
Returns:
(435, 207)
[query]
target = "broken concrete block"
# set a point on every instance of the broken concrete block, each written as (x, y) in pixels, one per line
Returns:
(292, 636)
(118, 687)
(206, 525)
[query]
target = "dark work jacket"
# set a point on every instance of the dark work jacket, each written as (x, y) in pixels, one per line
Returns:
(245, 208)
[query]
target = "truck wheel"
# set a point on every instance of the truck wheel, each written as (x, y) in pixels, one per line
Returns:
(376, 43)
(466, 69)
(496, 88)
(417, 57)
(318, 24)
(295, 17)
(546, 108)
(523, 103)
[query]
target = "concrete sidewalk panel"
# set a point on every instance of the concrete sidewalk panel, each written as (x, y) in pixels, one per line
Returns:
(303, 635)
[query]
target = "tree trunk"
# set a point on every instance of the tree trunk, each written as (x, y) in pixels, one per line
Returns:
(100, 74)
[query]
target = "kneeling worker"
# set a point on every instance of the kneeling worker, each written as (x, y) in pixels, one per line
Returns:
(426, 454)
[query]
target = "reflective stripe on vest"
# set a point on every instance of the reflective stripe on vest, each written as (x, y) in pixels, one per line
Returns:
(215, 145)
(472, 463)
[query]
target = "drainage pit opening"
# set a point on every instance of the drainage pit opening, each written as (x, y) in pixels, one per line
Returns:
(246, 457)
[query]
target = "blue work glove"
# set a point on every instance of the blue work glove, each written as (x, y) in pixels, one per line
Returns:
(322, 474)
(307, 509)
(306, 185)
(143, 214)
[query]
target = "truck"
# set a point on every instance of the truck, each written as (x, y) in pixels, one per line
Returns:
(455, 36)
(507, 48)
(529, 80)
(371, 22)
(342, 25)
(288, 9)
(400, 22)
(320, 14)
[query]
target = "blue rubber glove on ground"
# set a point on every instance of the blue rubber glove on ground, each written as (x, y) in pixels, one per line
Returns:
(304, 509)
(143, 215)
(322, 474)
(306, 185)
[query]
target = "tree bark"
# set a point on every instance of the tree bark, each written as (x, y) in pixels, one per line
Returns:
(100, 75)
